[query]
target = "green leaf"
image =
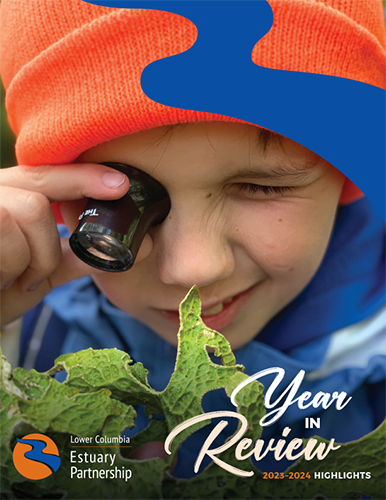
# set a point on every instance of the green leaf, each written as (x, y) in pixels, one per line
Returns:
(91, 370)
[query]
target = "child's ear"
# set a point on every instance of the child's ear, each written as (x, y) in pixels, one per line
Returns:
(349, 193)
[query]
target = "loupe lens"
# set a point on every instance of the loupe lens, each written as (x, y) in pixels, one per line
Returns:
(110, 233)
(102, 250)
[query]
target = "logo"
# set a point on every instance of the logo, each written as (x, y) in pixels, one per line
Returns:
(36, 456)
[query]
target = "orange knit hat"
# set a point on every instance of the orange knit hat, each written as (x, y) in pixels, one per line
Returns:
(72, 70)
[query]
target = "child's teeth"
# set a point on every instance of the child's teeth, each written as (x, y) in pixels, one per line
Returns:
(227, 301)
(214, 310)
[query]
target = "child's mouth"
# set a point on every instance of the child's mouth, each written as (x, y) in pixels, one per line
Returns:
(219, 315)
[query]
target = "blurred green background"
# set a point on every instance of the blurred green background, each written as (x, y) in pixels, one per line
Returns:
(7, 152)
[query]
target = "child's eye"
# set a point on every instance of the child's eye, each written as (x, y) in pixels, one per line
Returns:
(265, 190)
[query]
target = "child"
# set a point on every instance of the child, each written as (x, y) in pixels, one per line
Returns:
(288, 271)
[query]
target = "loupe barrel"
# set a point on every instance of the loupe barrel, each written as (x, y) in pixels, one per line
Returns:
(109, 233)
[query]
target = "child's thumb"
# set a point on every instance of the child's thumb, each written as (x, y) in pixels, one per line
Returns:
(70, 267)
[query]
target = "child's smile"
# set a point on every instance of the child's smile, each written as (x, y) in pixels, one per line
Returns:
(249, 225)
(221, 314)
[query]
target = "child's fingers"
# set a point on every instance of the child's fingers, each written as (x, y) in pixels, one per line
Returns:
(15, 254)
(33, 216)
(15, 301)
(67, 182)
(70, 267)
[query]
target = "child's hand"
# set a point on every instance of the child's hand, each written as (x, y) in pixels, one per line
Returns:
(33, 259)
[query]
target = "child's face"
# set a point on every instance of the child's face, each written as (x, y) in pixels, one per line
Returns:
(249, 225)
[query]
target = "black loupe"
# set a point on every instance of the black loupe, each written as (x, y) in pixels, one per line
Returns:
(109, 233)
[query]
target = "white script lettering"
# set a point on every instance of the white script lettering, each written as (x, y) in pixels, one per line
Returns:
(323, 399)
(312, 448)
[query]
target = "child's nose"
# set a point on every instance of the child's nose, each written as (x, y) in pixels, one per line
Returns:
(193, 254)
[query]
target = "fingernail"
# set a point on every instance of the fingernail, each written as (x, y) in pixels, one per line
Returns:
(113, 180)
(34, 286)
(7, 285)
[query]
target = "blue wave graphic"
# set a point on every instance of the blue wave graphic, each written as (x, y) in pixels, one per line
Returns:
(37, 455)
(342, 120)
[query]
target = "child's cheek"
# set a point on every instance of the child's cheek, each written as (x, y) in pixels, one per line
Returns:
(119, 288)
(286, 239)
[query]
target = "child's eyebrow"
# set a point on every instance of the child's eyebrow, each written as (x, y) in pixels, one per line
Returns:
(278, 172)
